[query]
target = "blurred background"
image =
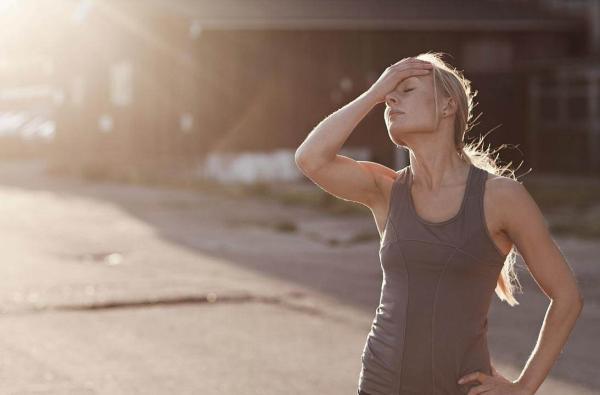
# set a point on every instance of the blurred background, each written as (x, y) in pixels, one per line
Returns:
(157, 235)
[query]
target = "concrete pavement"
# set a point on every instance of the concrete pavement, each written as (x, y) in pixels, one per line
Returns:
(119, 289)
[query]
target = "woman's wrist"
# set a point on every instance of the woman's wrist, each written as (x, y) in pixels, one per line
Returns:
(370, 97)
(525, 390)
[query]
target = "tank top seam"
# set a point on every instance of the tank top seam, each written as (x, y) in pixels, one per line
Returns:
(465, 198)
(457, 248)
(437, 286)
(397, 378)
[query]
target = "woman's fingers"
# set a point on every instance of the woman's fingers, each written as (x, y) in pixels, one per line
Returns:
(415, 71)
(410, 60)
(479, 376)
(412, 66)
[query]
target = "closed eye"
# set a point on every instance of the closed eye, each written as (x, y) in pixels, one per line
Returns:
(408, 90)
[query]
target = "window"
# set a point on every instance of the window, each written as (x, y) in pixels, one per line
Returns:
(487, 55)
(121, 84)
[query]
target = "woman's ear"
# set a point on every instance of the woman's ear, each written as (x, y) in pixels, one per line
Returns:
(449, 106)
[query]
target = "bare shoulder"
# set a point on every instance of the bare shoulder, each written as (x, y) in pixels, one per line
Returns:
(502, 187)
(384, 178)
(504, 197)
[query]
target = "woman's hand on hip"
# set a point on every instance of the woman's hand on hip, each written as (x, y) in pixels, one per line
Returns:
(496, 384)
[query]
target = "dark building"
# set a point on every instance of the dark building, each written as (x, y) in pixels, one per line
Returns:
(165, 82)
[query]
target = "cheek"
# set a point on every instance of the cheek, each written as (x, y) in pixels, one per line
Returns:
(426, 106)
(427, 101)
(420, 106)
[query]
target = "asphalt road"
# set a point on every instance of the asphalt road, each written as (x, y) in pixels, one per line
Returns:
(119, 289)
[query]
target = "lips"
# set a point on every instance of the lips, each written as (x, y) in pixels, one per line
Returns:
(396, 112)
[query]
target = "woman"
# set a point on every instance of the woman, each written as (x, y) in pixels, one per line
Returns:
(449, 224)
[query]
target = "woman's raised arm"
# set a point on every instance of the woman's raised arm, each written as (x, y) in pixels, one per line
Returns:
(317, 157)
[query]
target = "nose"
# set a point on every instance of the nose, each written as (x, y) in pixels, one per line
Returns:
(391, 100)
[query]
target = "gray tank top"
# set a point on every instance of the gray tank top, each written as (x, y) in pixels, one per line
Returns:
(438, 280)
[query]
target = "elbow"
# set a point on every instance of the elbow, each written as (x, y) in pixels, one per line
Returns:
(572, 302)
(300, 160)
(579, 306)
(577, 303)
(310, 160)
(305, 163)
(579, 299)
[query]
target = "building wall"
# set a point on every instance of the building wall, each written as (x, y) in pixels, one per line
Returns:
(199, 92)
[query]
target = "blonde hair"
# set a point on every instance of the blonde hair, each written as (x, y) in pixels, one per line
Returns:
(452, 83)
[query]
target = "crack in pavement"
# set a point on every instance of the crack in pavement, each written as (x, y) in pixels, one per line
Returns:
(286, 301)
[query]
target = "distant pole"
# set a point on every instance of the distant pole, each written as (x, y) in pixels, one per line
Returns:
(534, 109)
(594, 25)
(594, 119)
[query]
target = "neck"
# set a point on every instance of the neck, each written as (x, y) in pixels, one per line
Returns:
(434, 172)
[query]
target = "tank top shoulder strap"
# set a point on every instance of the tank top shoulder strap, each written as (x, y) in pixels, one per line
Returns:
(397, 190)
(486, 247)
(479, 180)
(489, 251)
(400, 186)
(475, 184)
(474, 194)
(478, 188)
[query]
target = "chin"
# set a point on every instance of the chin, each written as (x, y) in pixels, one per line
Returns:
(398, 130)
